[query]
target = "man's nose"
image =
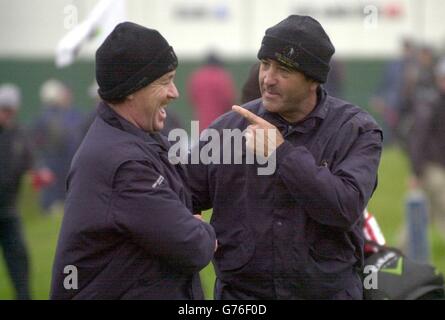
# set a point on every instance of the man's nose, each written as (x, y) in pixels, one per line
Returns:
(270, 78)
(173, 92)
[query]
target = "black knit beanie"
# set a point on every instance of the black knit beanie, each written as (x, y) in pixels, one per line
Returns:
(130, 58)
(299, 42)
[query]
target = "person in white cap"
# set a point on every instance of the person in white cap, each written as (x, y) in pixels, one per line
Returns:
(15, 161)
(57, 134)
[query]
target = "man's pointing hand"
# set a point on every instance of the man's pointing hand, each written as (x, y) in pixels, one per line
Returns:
(262, 137)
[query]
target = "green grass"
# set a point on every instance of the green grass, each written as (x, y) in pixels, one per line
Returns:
(387, 205)
(208, 273)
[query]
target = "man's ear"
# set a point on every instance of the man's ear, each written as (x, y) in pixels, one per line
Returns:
(314, 85)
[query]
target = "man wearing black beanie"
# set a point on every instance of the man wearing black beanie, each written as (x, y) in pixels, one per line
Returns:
(296, 233)
(128, 231)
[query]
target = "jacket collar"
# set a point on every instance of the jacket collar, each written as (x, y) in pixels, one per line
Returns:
(115, 120)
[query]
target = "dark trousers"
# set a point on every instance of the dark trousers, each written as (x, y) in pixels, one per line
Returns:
(15, 253)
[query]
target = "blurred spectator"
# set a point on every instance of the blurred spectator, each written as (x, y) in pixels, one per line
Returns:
(428, 150)
(57, 134)
(423, 95)
(392, 99)
(15, 160)
(211, 91)
(251, 88)
(423, 88)
(425, 67)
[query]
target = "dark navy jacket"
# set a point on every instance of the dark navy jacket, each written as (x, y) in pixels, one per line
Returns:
(15, 159)
(128, 227)
(296, 234)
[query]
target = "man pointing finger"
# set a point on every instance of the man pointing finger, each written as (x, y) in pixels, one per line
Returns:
(297, 233)
(262, 137)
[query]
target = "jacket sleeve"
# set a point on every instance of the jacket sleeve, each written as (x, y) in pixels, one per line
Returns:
(152, 214)
(333, 196)
(198, 181)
